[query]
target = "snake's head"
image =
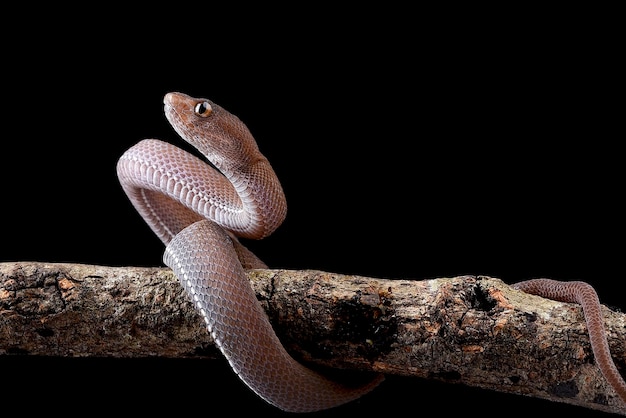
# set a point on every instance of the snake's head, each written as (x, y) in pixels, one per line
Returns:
(218, 134)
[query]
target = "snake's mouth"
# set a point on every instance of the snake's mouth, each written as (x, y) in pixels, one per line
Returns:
(178, 120)
(171, 112)
(179, 107)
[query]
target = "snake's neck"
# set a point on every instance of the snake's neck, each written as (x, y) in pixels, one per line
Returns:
(262, 197)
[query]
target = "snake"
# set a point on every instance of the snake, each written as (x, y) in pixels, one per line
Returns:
(200, 211)
(200, 208)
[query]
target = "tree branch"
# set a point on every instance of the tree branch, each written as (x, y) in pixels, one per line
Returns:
(473, 330)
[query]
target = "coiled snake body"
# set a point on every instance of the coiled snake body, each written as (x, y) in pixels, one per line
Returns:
(198, 212)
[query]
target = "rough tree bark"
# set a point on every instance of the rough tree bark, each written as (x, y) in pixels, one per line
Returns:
(473, 330)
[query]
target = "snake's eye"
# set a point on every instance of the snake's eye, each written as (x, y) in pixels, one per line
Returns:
(203, 109)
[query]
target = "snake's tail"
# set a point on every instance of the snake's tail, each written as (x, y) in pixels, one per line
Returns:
(585, 295)
(214, 277)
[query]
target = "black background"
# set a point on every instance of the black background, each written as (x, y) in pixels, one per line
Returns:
(407, 148)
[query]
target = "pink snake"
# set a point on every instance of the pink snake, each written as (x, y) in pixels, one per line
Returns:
(198, 212)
